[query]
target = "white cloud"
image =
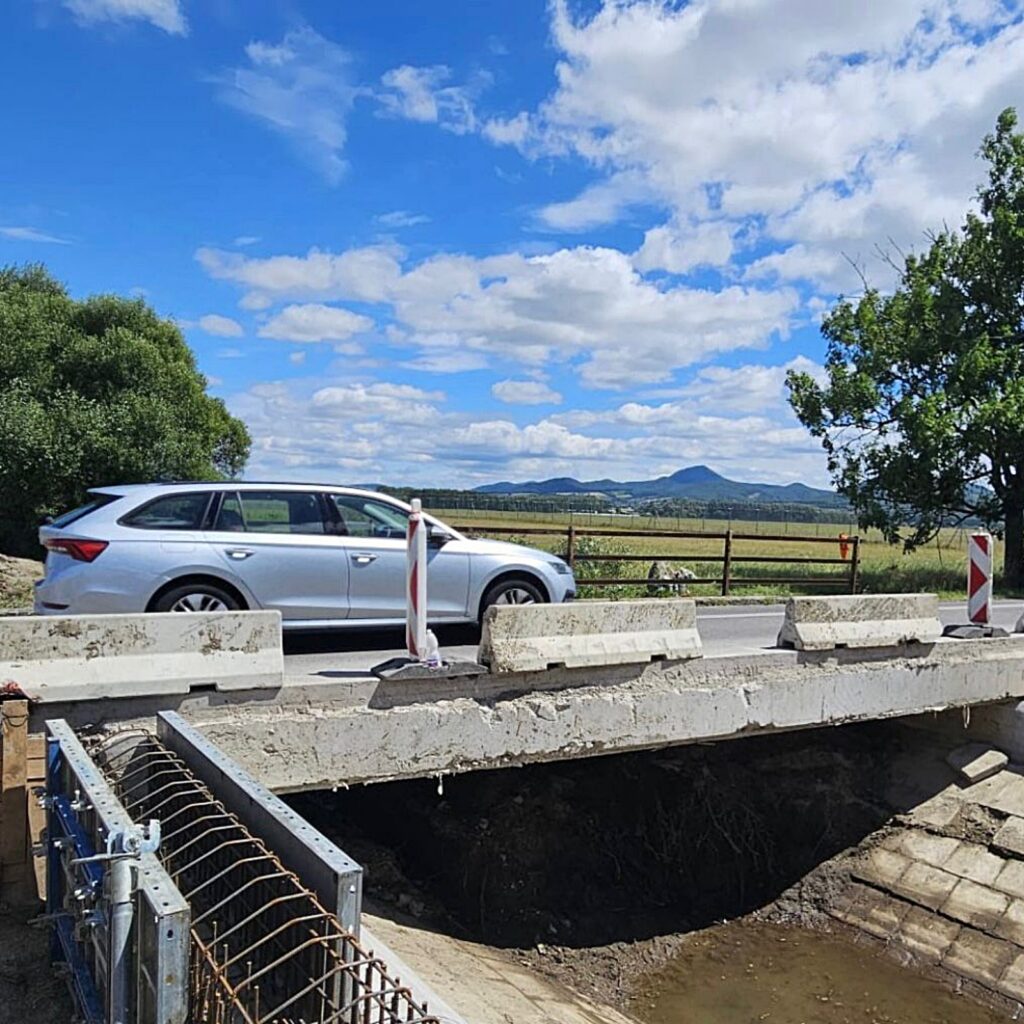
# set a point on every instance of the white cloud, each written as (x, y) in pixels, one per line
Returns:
(597, 204)
(365, 274)
(585, 304)
(420, 94)
(299, 88)
(525, 392)
(446, 361)
(831, 126)
(26, 234)
(402, 219)
(679, 251)
(734, 420)
(165, 14)
(221, 326)
(314, 322)
(243, 240)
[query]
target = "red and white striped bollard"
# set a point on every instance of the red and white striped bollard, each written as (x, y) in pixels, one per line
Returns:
(979, 578)
(416, 584)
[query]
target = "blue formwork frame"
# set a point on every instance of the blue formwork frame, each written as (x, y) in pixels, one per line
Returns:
(63, 832)
(82, 813)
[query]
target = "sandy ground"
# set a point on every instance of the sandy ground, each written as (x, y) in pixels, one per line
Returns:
(16, 578)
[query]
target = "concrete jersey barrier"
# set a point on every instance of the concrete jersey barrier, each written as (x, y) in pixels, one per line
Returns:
(532, 638)
(859, 620)
(58, 657)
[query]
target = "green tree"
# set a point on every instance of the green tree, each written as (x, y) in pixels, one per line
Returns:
(96, 392)
(922, 413)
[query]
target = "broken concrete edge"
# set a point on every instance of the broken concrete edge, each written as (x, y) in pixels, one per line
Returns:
(296, 746)
(62, 657)
(529, 638)
(859, 620)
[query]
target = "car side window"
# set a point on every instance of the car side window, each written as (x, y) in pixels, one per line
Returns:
(294, 512)
(365, 517)
(229, 518)
(171, 512)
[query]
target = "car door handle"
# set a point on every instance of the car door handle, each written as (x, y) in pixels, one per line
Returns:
(363, 558)
(239, 553)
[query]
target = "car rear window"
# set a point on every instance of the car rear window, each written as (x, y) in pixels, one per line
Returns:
(95, 501)
(170, 512)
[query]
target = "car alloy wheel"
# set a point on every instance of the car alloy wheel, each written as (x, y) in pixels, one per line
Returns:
(199, 602)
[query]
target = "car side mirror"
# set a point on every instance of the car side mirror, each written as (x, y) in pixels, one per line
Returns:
(437, 538)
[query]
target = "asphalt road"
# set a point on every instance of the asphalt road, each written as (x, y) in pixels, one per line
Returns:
(725, 629)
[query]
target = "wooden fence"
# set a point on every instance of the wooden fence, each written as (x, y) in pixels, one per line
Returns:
(847, 547)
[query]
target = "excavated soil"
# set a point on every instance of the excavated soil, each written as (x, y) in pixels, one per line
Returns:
(30, 990)
(594, 872)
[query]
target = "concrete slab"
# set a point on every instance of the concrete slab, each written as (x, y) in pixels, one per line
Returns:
(975, 862)
(882, 867)
(1010, 836)
(924, 846)
(974, 762)
(978, 957)
(976, 905)
(484, 985)
(1012, 982)
(927, 935)
(926, 885)
(1011, 879)
(530, 638)
(1011, 924)
(857, 620)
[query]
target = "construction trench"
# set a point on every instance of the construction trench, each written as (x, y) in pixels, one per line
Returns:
(860, 880)
(772, 835)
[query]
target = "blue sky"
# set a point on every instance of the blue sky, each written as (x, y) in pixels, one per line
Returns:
(451, 243)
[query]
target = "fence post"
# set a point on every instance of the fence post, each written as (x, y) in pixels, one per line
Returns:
(727, 563)
(855, 564)
(570, 548)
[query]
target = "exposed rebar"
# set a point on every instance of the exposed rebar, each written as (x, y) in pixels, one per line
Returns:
(264, 949)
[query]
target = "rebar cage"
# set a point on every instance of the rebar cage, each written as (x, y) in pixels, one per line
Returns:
(264, 950)
(82, 813)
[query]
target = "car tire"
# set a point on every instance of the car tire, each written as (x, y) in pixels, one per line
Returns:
(196, 597)
(515, 590)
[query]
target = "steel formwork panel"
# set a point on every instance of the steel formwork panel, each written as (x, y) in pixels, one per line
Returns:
(83, 811)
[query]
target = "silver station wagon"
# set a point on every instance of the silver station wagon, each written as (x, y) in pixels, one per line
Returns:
(323, 556)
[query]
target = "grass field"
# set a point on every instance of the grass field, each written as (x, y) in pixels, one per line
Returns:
(940, 567)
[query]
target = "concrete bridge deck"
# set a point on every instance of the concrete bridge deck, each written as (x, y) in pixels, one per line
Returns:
(331, 723)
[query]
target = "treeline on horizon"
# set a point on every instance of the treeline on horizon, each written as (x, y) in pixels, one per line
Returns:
(667, 508)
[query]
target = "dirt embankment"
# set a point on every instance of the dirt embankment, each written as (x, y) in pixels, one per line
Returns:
(16, 578)
(595, 870)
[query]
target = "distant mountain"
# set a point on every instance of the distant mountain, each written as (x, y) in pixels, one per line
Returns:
(698, 483)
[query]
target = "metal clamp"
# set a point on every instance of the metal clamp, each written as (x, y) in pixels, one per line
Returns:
(131, 842)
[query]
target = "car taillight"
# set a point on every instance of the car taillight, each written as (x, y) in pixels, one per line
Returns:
(79, 550)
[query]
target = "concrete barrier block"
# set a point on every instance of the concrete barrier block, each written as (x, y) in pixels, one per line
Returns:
(860, 620)
(59, 658)
(530, 638)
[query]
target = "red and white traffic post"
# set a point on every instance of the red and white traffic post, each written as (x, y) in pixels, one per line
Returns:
(979, 578)
(416, 584)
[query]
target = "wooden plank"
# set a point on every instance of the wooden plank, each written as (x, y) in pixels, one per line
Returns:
(14, 794)
(36, 852)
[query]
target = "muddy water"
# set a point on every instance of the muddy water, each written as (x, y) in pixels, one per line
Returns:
(746, 973)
